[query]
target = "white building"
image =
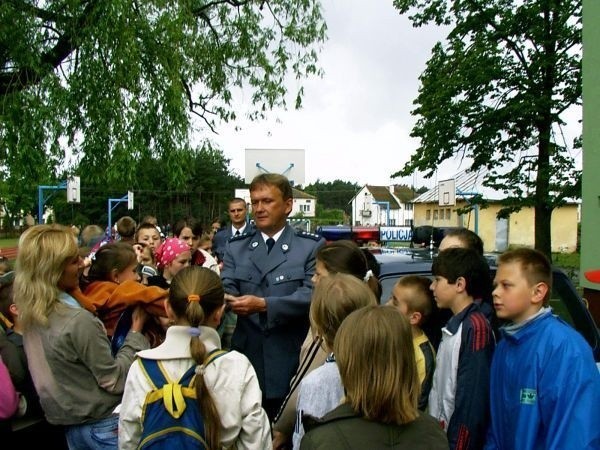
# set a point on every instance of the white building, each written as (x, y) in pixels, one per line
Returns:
(383, 205)
(304, 204)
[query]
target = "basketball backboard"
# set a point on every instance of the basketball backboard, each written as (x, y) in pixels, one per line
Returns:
(447, 192)
(287, 162)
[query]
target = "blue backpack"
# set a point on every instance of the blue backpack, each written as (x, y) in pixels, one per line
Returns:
(171, 418)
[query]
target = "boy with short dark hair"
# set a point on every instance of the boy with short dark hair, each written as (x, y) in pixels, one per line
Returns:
(413, 298)
(545, 386)
(459, 397)
(126, 227)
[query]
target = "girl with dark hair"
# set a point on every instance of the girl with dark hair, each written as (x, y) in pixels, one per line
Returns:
(112, 285)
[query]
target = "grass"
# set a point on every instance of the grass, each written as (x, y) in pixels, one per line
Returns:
(8, 243)
(566, 260)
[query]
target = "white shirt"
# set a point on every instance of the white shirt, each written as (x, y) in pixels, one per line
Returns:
(234, 230)
(231, 379)
(275, 236)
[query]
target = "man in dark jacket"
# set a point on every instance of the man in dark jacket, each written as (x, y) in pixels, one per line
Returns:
(238, 212)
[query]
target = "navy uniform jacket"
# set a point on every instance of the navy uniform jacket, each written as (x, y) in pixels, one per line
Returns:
(222, 236)
(272, 340)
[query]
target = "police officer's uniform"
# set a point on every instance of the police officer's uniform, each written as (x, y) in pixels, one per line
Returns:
(272, 340)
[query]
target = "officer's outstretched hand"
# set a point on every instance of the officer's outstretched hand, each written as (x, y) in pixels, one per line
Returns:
(247, 304)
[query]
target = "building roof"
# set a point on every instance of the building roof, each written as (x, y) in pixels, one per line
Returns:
(297, 193)
(383, 194)
(467, 184)
(404, 193)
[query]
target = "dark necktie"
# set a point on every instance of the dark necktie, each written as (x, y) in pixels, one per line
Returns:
(237, 232)
(270, 244)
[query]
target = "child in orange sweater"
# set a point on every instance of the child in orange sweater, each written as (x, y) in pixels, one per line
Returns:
(112, 285)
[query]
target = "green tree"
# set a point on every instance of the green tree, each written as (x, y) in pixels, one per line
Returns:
(496, 92)
(333, 194)
(107, 84)
(202, 191)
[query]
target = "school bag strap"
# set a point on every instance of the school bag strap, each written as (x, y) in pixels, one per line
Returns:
(173, 392)
(170, 417)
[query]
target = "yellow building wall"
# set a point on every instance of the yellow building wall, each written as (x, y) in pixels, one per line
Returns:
(520, 224)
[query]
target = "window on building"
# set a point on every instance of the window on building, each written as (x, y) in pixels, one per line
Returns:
(448, 214)
(408, 206)
(305, 208)
(435, 214)
(392, 222)
(428, 214)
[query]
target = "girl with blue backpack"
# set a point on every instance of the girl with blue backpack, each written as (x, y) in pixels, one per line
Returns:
(187, 392)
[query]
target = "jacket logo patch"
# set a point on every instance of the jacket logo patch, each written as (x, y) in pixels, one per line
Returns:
(528, 396)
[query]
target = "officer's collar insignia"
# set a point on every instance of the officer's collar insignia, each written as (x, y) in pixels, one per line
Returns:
(285, 247)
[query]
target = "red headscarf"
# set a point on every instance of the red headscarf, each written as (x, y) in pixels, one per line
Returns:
(169, 250)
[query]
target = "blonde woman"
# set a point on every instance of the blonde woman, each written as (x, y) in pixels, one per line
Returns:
(227, 389)
(78, 380)
(375, 356)
(333, 299)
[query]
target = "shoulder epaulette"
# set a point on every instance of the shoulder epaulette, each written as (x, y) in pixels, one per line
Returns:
(307, 235)
(244, 235)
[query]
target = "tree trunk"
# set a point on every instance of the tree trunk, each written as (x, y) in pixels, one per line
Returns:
(543, 210)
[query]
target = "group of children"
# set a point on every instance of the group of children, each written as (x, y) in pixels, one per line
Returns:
(369, 376)
(535, 386)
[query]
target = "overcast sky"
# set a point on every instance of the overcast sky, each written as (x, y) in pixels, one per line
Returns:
(355, 121)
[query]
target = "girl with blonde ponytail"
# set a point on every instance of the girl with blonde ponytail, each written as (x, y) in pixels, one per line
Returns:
(227, 389)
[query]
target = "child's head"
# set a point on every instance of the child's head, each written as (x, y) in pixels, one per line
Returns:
(463, 238)
(344, 256)
(374, 352)
(192, 282)
(91, 235)
(460, 272)
(116, 262)
(126, 228)
(148, 234)
(522, 284)
(333, 298)
(205, 242)
(412, 296)
(188, 230)
(172, 256)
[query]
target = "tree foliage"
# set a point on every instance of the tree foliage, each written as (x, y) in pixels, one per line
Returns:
(496, 93)
(203, 192)
(104, 86)
(333, 194)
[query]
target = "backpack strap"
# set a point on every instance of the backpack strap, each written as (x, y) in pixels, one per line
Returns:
(216, 353)
(154, 372)
(172, 393)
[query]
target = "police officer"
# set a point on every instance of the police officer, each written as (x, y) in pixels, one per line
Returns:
(267, 277)
(238, 213)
